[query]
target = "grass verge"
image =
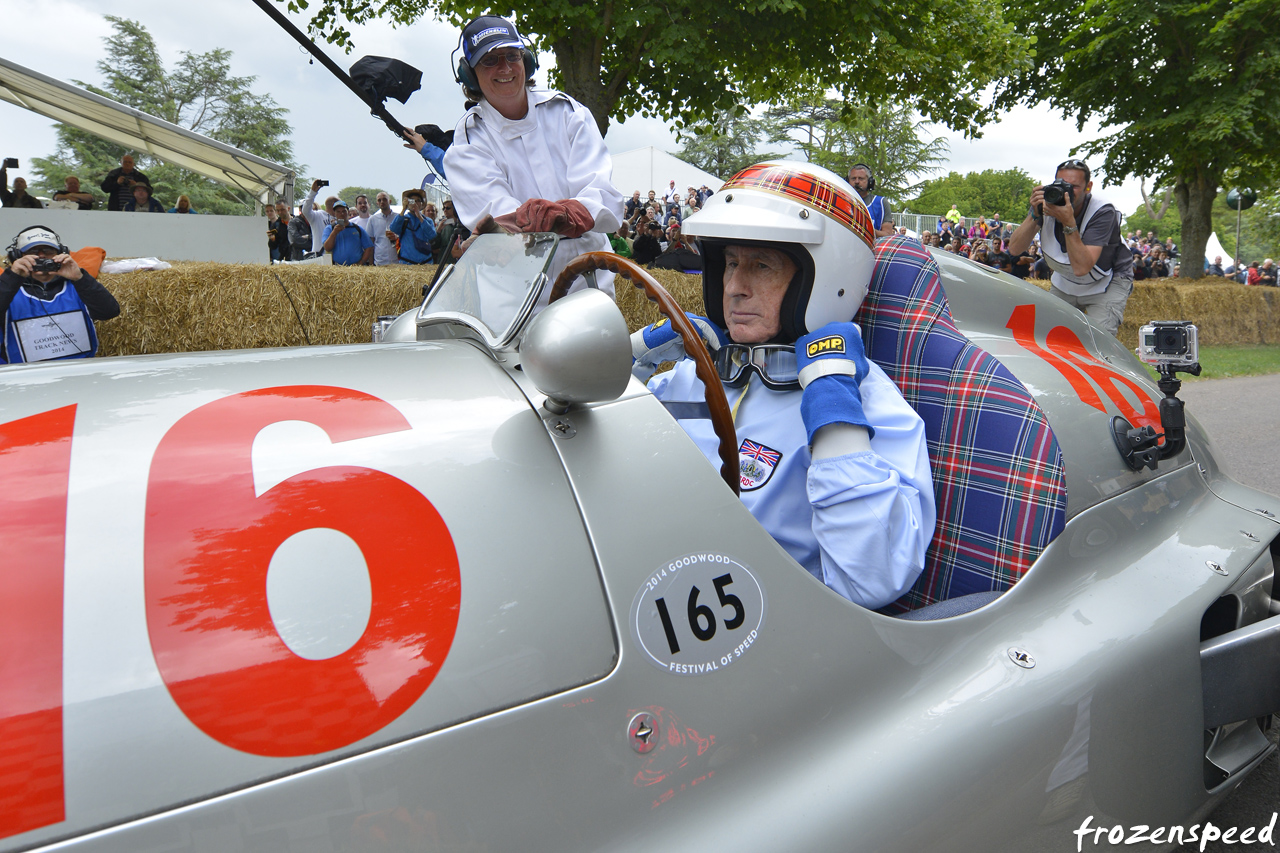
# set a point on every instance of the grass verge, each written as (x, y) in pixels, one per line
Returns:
(1224, 362)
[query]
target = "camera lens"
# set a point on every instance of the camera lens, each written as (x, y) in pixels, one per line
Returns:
(1172, 342)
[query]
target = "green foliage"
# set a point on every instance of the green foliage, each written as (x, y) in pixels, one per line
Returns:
(685, 59)
(348, 194)
(1259, 227)
(984, 193)
(723, 145)
(1157, 216)
(199, 93)
(1190, 88)
(836, 134)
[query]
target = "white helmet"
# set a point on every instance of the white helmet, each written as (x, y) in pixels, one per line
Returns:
(806, 211)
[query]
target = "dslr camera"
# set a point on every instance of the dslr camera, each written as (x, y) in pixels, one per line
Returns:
(46, 265)
(1169, 342)
(1058, 193)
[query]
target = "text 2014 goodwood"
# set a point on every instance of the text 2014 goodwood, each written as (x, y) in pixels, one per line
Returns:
(477, 591)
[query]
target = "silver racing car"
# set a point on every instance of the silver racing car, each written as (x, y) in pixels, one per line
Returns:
(472, 588)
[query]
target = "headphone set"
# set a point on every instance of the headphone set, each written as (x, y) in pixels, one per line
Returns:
(12, 252)
(871, 179)
(466, 75)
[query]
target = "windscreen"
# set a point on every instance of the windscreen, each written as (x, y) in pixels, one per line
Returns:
(495, 282)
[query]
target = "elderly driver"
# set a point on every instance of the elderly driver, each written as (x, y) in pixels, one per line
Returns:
(833, 461)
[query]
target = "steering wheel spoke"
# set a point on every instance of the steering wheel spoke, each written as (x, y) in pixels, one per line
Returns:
(717, 403)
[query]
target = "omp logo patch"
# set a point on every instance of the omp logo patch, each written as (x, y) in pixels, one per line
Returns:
(831, 343)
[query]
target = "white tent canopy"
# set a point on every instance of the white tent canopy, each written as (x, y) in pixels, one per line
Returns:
(103, 117)
(648, 168)
(1214, 249)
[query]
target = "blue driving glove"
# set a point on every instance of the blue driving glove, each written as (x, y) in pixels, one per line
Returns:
(832, 366)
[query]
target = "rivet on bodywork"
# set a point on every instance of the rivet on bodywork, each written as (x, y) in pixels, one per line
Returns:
(804, 214)
(1217, 568)
(1021, 658)
(642, 731)
(561, 428)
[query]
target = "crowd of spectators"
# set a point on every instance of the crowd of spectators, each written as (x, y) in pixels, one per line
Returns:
(1263, 275)
(650, 233)
(1153, 258)
(984, 242)
(128, 190)
(419, 233)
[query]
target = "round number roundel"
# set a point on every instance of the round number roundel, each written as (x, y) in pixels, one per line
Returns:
(209, 543)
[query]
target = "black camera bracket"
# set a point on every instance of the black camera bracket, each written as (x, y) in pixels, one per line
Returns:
(1139, 446)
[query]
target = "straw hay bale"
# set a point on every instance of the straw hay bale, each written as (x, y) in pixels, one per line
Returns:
(206, 306)
(1226, 313)
(640, 312)
(1149, 301)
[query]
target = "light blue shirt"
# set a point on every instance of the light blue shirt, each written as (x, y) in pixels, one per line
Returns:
(860, 523)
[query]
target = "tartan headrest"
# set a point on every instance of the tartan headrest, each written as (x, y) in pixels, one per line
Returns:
(997, 468)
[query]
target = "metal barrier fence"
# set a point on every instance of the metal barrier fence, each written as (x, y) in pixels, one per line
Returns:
(920, 223)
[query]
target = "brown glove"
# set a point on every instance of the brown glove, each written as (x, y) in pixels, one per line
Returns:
(567, 217)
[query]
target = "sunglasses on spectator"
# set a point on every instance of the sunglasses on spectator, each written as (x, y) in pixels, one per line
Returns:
(494, 58)
(1078, 165)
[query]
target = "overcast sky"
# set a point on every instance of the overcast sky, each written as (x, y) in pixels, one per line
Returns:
(333, 133)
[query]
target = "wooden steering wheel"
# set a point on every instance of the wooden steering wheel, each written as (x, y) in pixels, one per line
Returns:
(717, 403)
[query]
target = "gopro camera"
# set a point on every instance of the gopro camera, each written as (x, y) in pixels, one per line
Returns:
(1169, 342)
(46, 265)
(11, 162)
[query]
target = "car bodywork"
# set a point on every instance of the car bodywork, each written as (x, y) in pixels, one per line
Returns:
(379, 597)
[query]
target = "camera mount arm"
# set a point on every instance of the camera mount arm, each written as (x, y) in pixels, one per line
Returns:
(376, 107)
(1139, 446)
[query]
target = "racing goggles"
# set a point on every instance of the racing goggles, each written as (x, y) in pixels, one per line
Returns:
(775, 364)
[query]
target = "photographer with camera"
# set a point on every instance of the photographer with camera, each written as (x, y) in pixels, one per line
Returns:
(345, 241)
(118, 184)
(18, 196)
(1080, 242)
(49, 303)
(318, 220)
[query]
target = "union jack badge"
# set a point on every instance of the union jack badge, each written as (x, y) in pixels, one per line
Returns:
(757, 464)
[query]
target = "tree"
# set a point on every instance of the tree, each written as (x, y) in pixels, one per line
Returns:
(723, 145)
(1259, 229)
(348, 194)
(684, 59)
(199, 93)
(1192, 89)
(1164, 228)
(985, 193)
(836, 134)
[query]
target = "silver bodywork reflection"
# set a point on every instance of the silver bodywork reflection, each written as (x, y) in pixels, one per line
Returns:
(834, 728)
